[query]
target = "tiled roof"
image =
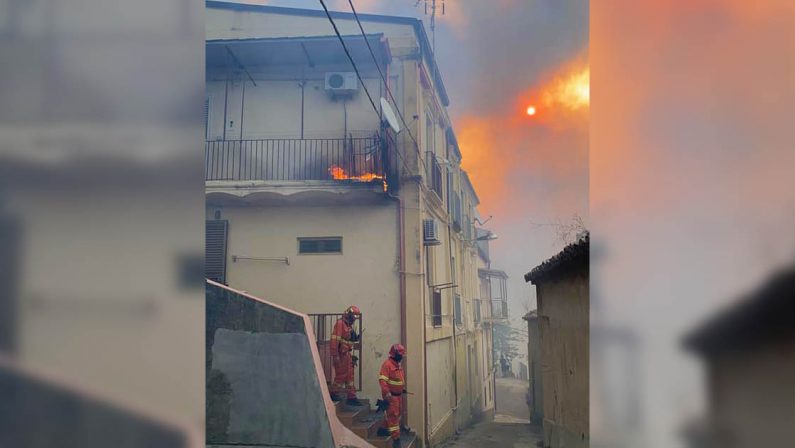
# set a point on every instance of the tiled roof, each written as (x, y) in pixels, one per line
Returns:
(574, 254)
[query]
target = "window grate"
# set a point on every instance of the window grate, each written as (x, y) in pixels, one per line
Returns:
(325, 245)
(215, 242)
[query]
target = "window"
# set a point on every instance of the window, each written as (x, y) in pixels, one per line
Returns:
(429, 137)
(322, 245)
(215, 239)
(476, 304)
(429, 266)
(458, 310)
(437, 308)
(453, 268)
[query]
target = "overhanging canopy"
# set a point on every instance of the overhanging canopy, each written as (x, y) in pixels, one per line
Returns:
(311, 50)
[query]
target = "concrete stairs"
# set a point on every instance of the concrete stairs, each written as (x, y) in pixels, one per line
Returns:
(365, 423)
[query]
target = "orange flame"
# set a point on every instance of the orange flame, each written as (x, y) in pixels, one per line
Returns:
(572, 90)
(338, 173)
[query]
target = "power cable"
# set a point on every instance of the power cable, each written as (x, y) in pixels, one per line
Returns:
(359, 76)
(386, 83)
(355, 69)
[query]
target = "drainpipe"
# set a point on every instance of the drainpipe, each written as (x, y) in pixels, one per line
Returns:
(242, 103)
(226, 99)
(455, 348)
(493, 373)
(425, 374)
(303, 88)
(402, 267)
(402, 283)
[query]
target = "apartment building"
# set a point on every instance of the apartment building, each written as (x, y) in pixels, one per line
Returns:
(319, 198)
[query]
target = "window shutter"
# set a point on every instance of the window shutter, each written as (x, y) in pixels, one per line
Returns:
(458, 318)
(437, 308)
(215, 235)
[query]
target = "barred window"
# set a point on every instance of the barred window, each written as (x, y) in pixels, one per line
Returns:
(323, 245)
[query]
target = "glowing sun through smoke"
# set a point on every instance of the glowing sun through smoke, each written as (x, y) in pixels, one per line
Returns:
(564, 96)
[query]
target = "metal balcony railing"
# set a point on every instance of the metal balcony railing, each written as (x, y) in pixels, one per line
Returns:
(434, 174)
(323, 325)
(455, 210)
(499, 309)
(359, 159)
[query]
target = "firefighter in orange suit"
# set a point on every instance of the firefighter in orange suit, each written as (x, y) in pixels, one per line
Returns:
(392, 381)
(343, 340)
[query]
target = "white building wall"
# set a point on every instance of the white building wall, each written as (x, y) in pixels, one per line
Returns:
(272, 108)
(273, 111)
(365, 274)
(440, 395)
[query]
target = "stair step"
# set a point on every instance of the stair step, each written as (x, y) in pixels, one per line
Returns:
(365, 429)
(380, 442)
(347, 417)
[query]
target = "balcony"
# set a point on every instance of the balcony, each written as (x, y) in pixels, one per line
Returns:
(455, 210)
(434, 174)
(499, 309)
(351, 160)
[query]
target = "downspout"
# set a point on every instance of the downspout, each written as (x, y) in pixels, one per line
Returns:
(303, 87)
(425, 389)
(493, 373)
(226, 99)
(402, 283)
(402, 267)
(452, 267)
(242, 104)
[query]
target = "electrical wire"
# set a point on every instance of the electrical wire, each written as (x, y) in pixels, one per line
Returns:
(359, 76)
(355, 69)
(386, 83)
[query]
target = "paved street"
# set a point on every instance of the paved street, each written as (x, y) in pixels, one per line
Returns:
(510, 428)
(511, 396)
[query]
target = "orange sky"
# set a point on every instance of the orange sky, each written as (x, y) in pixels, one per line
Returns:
(508, 145)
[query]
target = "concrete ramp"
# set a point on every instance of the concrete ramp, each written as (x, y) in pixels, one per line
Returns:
(265, 384)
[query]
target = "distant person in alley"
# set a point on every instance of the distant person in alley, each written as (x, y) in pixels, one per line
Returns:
(392, 381)
(343, 340)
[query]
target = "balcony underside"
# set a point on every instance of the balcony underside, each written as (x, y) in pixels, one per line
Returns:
(275, 193)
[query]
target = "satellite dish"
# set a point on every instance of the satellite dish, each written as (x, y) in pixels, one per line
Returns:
(389, 114)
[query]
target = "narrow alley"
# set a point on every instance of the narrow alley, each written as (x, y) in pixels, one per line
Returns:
(511, 426)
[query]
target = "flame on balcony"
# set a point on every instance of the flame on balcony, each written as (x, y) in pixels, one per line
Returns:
(338, 173)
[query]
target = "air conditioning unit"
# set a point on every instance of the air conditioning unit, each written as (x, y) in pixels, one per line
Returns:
(341, 83)
(430, 232)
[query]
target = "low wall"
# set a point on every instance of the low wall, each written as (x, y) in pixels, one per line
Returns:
(265, 386)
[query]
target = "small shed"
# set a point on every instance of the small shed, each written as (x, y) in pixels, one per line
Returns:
(563, 300)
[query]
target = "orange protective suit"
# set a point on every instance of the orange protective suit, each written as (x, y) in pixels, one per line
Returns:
(392, 381)
(341, 348)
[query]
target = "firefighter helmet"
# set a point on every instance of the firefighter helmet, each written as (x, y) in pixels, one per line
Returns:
(397, 348)
(353, 309)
